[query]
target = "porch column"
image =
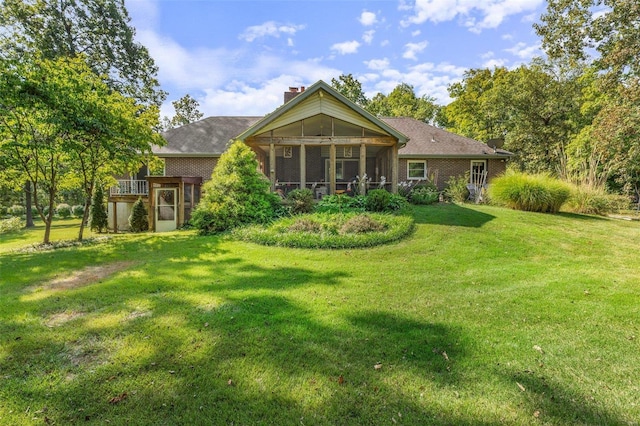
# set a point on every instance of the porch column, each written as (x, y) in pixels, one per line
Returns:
(272, 166)
(303, 166)
(362, 169)
(394, 168)
(332, 169)
(115, 217)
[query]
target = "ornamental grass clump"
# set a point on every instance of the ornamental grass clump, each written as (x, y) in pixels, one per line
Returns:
(535, 193)
(361, 224)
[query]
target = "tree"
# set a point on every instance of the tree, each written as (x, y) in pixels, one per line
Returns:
(477, 110)
(138, 221)
(237, 193)
(98, 220)
(606, 35)
(535, 108)
(575, 30)
(98, 30)
(186, 109)
(351, 88)
(403, 102)
(61, 126)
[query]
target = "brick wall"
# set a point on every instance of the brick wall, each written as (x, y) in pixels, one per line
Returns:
(183, 166)
(448, 167)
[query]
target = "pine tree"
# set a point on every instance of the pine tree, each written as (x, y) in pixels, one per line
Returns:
(98, 220)
(138, 221)
(237, 193)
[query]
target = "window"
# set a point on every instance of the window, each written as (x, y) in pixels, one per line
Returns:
(416, 170)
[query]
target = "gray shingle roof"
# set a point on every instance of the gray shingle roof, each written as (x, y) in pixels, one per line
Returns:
(208, 137)
(429, 141)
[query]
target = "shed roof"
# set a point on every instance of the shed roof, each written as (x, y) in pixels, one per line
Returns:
(430, 141)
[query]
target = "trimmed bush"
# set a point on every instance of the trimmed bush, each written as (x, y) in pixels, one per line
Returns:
(535, 193)
(63, 210)
(300, 201)
(138, 221)
(77, 210)
(10, 225)
(377, 200)
(237, 193)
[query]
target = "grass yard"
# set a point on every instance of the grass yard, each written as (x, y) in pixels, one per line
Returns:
(483, 316)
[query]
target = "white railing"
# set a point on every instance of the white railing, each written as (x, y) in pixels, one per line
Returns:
(130, 187)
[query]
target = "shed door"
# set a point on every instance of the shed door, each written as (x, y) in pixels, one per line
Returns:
(166, 209)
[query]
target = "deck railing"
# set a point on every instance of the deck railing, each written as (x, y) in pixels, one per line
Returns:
(130, 187)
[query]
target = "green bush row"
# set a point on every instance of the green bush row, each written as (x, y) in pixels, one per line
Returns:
(62, 210)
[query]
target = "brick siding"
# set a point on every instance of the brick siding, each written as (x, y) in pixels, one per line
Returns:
(194, 166)
(445, 168)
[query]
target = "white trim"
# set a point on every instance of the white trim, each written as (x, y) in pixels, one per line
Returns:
(424, 174)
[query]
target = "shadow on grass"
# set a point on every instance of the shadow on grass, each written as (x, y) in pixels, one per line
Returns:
(450, 214)
(196, 334)
(581, 216)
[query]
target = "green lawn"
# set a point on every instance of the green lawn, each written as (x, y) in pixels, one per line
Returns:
(483, 316)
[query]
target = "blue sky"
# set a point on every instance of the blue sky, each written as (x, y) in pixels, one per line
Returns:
(238, 57)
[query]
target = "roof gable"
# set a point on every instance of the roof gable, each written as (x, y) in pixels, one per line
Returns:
(321, 98)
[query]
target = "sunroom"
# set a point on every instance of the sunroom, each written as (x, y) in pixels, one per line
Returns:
(321, 141)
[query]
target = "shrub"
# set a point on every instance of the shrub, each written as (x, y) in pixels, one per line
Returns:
(456, 189)
(536, 193)
(589, 200)
(237, 193)
(341, 204)
(305, 225)
(10, 225)
(361, 224)
(377, 200)
(300, 201)
(98, 220)
(16, 210)
(63, 210)
(77, 210)
(138, 221)
(424, 195)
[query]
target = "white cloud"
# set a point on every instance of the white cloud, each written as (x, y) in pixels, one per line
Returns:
(269, 29)
(346, 47)
(377, 64)
(475, 15)
(367, 36)
(367, 18)
(522, 51)
(412, 49)
(494, 63)
(416, 33)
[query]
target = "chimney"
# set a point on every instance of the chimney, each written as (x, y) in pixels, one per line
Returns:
(292, 93)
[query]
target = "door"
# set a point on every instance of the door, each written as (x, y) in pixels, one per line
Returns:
(166, 209)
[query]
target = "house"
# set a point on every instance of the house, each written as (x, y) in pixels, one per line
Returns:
(317, 139)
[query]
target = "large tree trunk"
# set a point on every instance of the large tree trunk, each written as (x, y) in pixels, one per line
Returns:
(27, 204)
